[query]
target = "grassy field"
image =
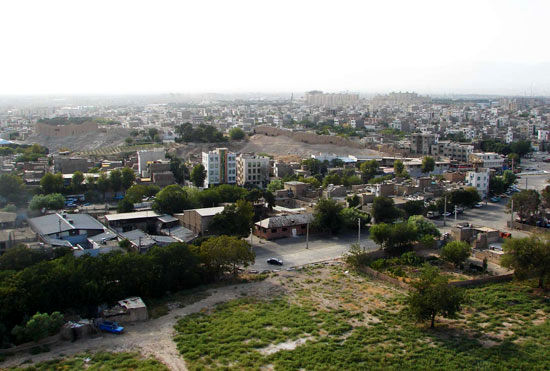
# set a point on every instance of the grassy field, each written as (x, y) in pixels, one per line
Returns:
(331, 319)
(100, 361)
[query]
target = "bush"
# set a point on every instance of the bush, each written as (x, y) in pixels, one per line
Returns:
(456, 252)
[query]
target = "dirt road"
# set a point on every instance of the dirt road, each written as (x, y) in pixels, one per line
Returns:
(151, 338)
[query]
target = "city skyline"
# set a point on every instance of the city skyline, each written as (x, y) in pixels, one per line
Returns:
(85, 48)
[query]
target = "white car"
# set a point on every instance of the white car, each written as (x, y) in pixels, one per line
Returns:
(479, 204)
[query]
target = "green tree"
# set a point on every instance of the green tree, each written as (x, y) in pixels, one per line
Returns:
(497, 185)
(11, 188)
(423, 226)
(528, 257)
(398, 167)
(129, 141)
(52, 183)
(456, 252)
(545, 197)
(172, 199)
(53, 201)
(384, 210)
(428, 164)
(236, 134)
(39, 326)
(333, 178)
(353, 201)
(327, 216)
(20, 257)
(103, 184)
(115, 180)
(152, 132)
(275, 185)
(234, 220)
(76, 181)
(394, 238)
(509, 178)
(225, 254)
(431, 295)
(526, 203)
(414, 207)
(351, 215)
(128, 177)
(369, 169)
(178, 168)
(137, 192)
(125, 206)
(314, 166)
(198, 175)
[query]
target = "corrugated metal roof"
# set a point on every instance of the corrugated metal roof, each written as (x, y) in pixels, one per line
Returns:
(133, 215)
(285, 220)
(54, 223)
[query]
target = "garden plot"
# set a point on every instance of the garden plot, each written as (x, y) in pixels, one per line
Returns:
(327, 318)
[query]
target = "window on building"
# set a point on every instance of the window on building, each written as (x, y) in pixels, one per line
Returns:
(273, 230)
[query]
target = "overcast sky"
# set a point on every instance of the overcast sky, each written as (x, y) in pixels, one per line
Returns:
(116, 46)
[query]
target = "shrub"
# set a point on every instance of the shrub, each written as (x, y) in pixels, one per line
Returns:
(456, 252)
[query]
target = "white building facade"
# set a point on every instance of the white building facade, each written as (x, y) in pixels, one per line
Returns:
(479, 179)
(252, 170)
(220, 166)
(489, 160)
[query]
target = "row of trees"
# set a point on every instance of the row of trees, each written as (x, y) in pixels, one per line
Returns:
(199, 134)
(80, 284)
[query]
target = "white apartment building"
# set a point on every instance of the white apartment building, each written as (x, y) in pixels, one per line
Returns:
(220, 166)
(509, 136)
(479, 179)
(146, 156)
(490, 160)
(252, 170)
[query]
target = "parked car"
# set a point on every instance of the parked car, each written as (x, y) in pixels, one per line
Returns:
(478, 205)
(495, 199)
(111, 327)
(447, 214)
(432, 214)
(274, 261)
(459, 210)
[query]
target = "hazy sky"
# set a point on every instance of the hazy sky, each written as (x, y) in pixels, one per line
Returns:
(115, 46)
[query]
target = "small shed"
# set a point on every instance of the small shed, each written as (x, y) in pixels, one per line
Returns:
(127, 310)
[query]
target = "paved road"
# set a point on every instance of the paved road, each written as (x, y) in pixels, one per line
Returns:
(493, 215)
(293, 252)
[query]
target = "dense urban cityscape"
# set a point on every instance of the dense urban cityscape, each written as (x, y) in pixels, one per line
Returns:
(290, 185)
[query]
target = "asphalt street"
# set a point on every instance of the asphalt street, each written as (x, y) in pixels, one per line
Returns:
(293, 252)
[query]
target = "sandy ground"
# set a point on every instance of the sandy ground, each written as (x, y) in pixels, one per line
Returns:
(151, 338)
(284, 146)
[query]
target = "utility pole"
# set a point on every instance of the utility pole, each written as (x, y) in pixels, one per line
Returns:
(251, 238)
(307, 236)
(512, 214)
(445, 211)
(456, 212)
(526, 183)
(359, 231)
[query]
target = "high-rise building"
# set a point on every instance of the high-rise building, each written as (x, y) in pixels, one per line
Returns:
(220, 166)
(253, 170)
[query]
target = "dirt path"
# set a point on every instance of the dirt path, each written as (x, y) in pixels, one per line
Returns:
(151, 338)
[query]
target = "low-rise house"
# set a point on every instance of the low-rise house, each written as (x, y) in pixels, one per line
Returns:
(62, 229)
(198, 220)
(282, 226)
